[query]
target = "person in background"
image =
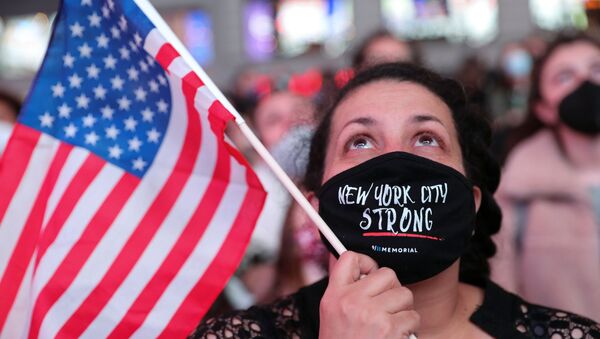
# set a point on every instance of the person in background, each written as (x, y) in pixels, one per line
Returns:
(400, 125)
(549, 244)
(381, 47)
(9, 111)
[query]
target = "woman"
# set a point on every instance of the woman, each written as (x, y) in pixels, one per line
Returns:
(399, 167)
(549, 244)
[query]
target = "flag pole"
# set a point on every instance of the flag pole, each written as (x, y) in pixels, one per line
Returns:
(285, 180)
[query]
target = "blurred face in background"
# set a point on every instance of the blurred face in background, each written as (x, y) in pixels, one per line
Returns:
(567, 68)
(386, 49)
(278, 113)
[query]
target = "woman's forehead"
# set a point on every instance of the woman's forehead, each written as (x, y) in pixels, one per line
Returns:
(391, 101)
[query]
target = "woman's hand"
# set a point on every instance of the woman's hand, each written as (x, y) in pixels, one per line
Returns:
(374, 306)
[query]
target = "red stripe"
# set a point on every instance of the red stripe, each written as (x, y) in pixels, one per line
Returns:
(69, 268)
(405, 235)
(82, 179)
(17, 155)
(181, 251)
(145, 231)
(166, 54)
(206, 290)
(25, 246)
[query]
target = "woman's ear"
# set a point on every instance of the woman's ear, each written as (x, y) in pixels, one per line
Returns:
(477, 197)
(547, 114)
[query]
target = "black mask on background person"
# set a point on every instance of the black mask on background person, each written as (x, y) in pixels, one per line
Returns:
(580, 110)
(408, 213)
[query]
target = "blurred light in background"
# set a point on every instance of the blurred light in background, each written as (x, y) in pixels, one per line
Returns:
(472, 21)
(558, 14)
(194, 28)
(23, 42)
(259, 30)
(305, 24)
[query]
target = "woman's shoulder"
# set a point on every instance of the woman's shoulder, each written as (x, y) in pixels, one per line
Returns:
(504, 315)
(288, 317)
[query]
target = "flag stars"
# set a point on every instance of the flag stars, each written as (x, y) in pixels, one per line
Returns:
(75, 81)
(139, 164)
(85, 51)
(115, 152)
(143, 66)
(46, 120)
(162, 79)
(105, 12)
(64, 111)
(122, 23)
(130, 123)
(111, 4)
(153, 135)
(99, 92)
(124, 103)
(150, 60)
(76, 30)
(114, 31)
(162, 106)
(137, 38)
(117, 82)
(86, 2)
(58, 90)
(107, 112)
(68, 60)
(135, 144)
(133, 46)
(94, 20)
(102, 41)
(82, 101)
(70, 130)
(147, 115)
(112, 132)
(124, 53)
(140, 94)
(93, 71)
(89, 120)
(153, 86)
(91, 138)
(110, 62)
(133, 73)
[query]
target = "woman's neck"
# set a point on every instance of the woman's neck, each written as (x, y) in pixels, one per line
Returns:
(445, 305)
(583, 152)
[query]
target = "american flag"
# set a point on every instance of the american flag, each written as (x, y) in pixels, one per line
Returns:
(123, 210)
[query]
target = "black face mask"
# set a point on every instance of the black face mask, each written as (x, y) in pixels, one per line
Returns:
(408, 213)
(580, 110)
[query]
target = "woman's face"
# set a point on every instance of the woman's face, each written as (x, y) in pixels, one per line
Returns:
(386, 116)
(567, 67)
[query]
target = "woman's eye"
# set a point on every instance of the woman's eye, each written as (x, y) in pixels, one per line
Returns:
(426, 140)
(360, 143)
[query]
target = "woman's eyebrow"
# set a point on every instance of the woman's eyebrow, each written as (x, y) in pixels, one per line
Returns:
(362, 121)
(420, 118)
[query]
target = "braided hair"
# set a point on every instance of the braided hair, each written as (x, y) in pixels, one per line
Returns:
(474, 137)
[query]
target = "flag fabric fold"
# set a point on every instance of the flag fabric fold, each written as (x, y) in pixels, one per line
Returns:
(123, 210)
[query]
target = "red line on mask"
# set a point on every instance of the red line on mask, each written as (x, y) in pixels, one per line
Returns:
(391, 234)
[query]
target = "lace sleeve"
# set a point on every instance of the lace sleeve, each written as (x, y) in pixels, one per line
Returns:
(277, 320)
(541, 322)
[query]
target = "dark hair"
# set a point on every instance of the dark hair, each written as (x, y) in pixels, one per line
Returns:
(532, 123)
(474, 137)
(358, 58)
(11, 101)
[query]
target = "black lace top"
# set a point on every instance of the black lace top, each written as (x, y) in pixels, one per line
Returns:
(502, 315)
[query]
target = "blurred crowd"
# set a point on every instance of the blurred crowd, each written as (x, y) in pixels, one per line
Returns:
(543, 101)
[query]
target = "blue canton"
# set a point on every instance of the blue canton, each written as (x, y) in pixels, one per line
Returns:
(98, 88)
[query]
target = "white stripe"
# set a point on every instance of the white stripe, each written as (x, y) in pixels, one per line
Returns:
(70, 233)
(164, 239)
(154, 41)
(199, 260)
(19, 315)
(179, 68)
(73, 163)
(134, 210)
(22, 201)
